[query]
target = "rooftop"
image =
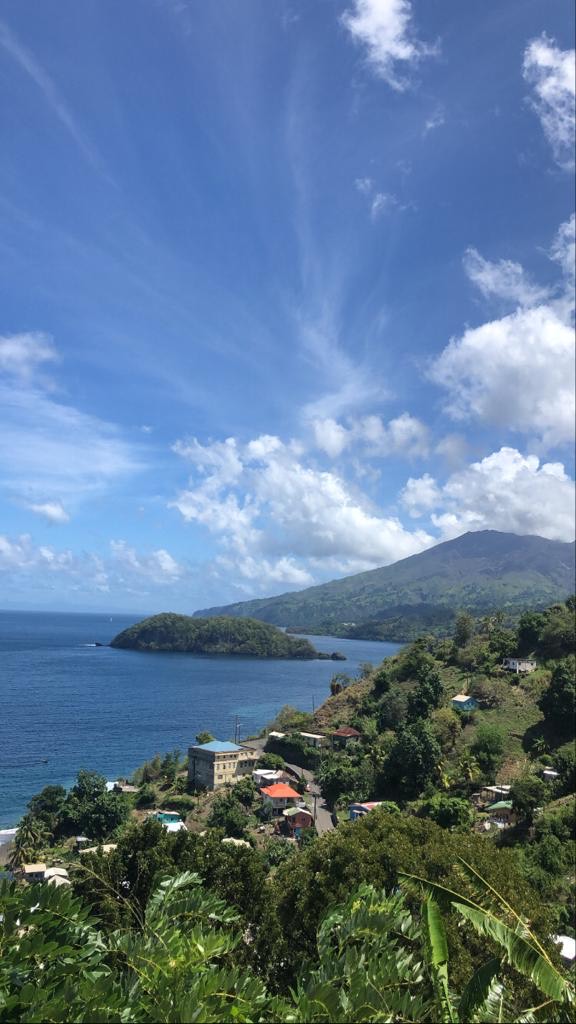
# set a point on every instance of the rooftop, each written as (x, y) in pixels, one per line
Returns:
(461, 697)
(289, 812)
(33, 869)
(280, 789)
(346, 730)
(218, 747)
(501, 805)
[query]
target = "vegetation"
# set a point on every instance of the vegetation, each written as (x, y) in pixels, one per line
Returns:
(222, 635)
(374, 959)
(479, 572)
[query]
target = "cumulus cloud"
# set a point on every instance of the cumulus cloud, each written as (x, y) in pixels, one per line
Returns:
(280, 520)
(552, 74)
(517, 371)
(384, 29)
(123, 570)
(159, 566)
(505, 491)
(503, 280)
(53, 511)
(404, 435)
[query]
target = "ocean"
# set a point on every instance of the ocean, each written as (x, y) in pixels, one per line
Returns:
(66, 704)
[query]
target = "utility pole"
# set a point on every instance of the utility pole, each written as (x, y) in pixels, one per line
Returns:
(315, 798)
(313, 704)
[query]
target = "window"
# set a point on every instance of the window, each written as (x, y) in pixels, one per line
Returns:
(219, 776)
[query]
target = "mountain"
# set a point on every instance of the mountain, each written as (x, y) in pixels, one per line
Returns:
(482, 572)
(230, 636)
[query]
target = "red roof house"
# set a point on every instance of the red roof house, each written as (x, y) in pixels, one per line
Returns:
(344, 735)
(279, 796)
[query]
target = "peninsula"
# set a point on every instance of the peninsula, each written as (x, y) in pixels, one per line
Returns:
(222, 635)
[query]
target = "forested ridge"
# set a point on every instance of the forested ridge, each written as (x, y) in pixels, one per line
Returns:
(221, 635)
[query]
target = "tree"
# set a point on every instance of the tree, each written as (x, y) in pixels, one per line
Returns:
(90, 809)
(31, 834)
(339, 777)
(527, 793)
(413, 759)
(448, 811)
(488, 748)
(146, 796)
(558, 636)
(464, 629)
(381, 681)
(392, 710)
(47, 805)
(204, 737)
(558, 701)
(446, 726)
(335, 686)
(272, 761)
(530, 626)
(229, 815)
(426, 696)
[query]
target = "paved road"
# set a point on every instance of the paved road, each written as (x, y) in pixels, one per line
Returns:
(324, 821)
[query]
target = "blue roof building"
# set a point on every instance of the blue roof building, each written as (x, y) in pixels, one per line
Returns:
(219, 763)
(464, 702)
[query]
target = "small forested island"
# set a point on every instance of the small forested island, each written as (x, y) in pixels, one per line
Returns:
(220, 635)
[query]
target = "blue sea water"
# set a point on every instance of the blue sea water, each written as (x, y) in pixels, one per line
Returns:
(65, 704)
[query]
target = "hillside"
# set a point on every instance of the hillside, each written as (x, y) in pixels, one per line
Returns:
(170, 632)
(481, 572)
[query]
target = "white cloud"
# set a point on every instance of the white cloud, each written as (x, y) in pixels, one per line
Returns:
(364, 185)
(436, 120)
(404, 435)
(22, 354)
(53, 511)
(552, 74)
(382, 203)
(384, 28)
(503, 280)
(563, 252)
(518, 371)
(281, 520)
(506, 491)
(159, 566)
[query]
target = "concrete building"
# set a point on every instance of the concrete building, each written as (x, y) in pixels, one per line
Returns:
(313, 739)
(218, 763)
(33, 872)
(519, 665)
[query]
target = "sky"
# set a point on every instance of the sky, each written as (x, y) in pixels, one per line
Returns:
(286, 291)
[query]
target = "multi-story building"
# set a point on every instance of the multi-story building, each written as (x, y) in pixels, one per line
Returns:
(218, 763)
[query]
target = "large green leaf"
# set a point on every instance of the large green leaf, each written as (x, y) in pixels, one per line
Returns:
(438, 949)
(479, 989)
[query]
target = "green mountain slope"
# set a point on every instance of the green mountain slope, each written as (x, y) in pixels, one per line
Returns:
(480, 571)
(170, 632)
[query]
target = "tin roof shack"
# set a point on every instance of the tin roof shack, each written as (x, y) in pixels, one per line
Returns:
(33, 872)
(502, 813)
(356, 811)
(219, 763)
(464, 702)
(296, 819)
(345, 735)
(519, 665)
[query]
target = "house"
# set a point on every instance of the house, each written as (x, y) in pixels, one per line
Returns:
(519, 665)
(276, 735)
(268, 776)
(33, 872)
(218, 763)
(124, 787)
(56, 877)
(549, 775)
(356, 811)
(105, 847)
(236, 842)
(279, 796)
(464, 702)
(296, 819)
(502, 812)
(492, 793)
(344, 735)
(313, 739)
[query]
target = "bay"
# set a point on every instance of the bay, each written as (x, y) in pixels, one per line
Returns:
(65, 704)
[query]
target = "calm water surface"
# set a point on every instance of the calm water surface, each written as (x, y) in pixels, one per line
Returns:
(65, 704)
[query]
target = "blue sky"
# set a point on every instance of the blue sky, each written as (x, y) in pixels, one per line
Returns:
(286, 290)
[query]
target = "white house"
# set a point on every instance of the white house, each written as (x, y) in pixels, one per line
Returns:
(34, 872)
(519, 665)
(313, 739)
